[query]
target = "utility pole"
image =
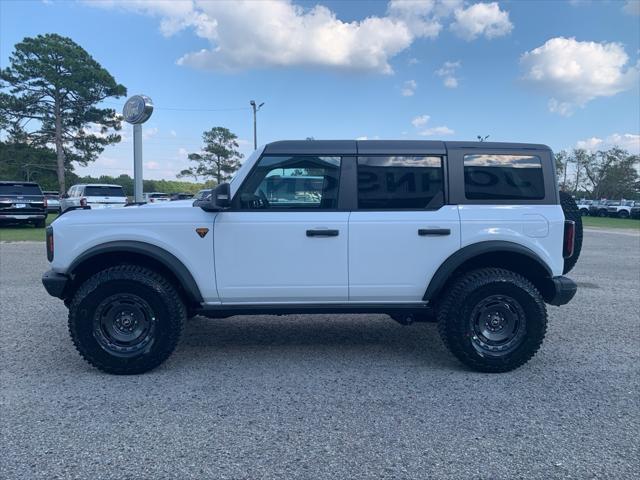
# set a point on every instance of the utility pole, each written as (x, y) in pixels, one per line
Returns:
(256, 109)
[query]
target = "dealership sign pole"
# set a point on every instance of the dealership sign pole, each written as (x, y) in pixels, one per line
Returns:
(136, 111)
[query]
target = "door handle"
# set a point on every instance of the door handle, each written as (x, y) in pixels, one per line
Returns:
(425, 232)
(322, 232)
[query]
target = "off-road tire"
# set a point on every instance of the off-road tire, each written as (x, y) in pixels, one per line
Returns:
(456, 318)
(167, 317)
(571, 212)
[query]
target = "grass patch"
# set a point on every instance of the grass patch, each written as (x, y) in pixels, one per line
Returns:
(22, 233)
(606, 222)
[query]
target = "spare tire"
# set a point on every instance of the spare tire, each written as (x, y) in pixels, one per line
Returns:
(571, 212)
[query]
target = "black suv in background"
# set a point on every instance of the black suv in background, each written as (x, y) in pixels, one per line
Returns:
(22, 202)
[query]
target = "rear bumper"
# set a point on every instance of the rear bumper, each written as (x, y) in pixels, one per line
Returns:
(55, 283)
(560, 290)
(23, 216)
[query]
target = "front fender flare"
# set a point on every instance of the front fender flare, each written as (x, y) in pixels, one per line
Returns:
(182, 273)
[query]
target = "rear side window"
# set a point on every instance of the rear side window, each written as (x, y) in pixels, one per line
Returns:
(19, 189)
(503, 177)
(103, 192)
(290, 183)
(400, 182)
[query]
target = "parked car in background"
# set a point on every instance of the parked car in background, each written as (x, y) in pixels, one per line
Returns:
(181, 196)
(599, 208)
(202, 194)
(53, 201)
(93, 195)
(155, 197)
(22, 202)
(621, 209)
(583, 206)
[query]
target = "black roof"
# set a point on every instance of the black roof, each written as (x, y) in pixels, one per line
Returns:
(17, 182)
(371, 147)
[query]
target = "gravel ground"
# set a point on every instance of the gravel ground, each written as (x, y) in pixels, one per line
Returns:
(326, 397)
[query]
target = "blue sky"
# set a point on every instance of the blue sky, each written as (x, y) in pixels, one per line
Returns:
(553, 72)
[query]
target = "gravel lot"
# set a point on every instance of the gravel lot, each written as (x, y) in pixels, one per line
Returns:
(326, 397)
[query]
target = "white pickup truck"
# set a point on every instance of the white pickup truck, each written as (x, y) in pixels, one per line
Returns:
(473, 235)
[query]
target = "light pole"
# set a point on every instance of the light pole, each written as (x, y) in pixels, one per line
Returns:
(256, 109)
(136, 111)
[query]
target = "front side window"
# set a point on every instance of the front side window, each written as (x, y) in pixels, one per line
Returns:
(292, 182)
(503, 177)
(400, 182)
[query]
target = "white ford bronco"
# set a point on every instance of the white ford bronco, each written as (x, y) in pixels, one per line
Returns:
(475, 236)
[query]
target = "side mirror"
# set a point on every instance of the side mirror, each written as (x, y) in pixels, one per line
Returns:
(64, 195)
(219, 199)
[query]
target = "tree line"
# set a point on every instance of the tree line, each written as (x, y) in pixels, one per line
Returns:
(611, 173)
(52, 117)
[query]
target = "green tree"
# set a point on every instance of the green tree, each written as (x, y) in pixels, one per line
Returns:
(610, 173)
(219, 157)
(54, 85)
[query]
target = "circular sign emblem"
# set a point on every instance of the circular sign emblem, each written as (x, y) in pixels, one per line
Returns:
(138, 109)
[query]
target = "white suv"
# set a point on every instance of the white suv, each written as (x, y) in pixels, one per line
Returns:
(93, 195)
(473, 235)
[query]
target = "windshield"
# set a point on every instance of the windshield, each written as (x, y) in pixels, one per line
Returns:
(20, 189)
(242, 171)
(103, 192)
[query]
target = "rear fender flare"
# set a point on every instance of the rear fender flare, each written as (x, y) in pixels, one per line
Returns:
(456, 260)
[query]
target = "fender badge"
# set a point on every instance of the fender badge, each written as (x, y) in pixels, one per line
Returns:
(202, 232)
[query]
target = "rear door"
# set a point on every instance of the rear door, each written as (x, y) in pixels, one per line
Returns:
(402, 230)
(284, 240)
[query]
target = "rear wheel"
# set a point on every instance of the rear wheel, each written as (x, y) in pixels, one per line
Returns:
(623, 214)
(571, 212)
(492, 320)
(126, 319)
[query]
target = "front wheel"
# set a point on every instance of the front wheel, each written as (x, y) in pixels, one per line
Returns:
(623, 214)
(126, 319)
(492, 320)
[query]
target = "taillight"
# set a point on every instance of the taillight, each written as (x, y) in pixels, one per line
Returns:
(49, 243)
(83, 202)
(569, 238)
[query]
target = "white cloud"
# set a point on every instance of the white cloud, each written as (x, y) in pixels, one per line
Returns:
(442, 130)
(149, 132)
(364, 137)
(448, 74)
(627, 141)
(632, 7)
(409, 88)
(413, 61)
(173, 133)
(574, 73)
(247, 34)
(420, 121)
(481, 19)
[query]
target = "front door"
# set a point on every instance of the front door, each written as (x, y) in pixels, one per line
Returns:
(284, 239)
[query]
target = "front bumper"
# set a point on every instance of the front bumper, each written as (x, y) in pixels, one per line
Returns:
(55, 283)
(559, 290)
